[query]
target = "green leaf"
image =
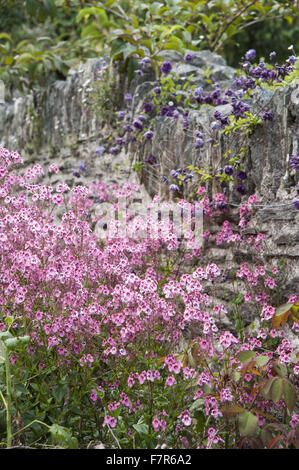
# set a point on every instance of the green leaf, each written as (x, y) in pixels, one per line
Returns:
(245, 356)
(59, 392)
(91, 30)
(62, 437)
(141, 428)
(24, 339)
(5, 36)
(2, 352)
(21, 390)
(197, 404)
(266, 436)
(262, 360)
(247, 423)
(12, 343)
(281, 370)
(5, 334)
(281, 315)
(290, 395)
(276, 389)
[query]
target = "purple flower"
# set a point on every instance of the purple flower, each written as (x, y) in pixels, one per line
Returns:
(151, 159)
(145, 62)
(120, 141)
(82, 167)
(199, 143)
(228, 170)
(76, 174)
(296, 204)
(241, 175)
(128, 97)
(198, 92)
(224, 120)
(188, 57)
(294, 162)
(221, 205)
(199, 134)
(241, 189)
(128, 128)
(189, 176)
(142, 118)
(215, 125)
(174, 174)
(148, 107)
(114, 150)
(138, 124)
(99, 151)
(267, 115)
(272, 55)
(121, 115)
(148, 135)
(250, 55)
(139, 72)
(292, 59)
(165, 180)
(166, 67)
(174, 187)
(240, 108)
(246, 66)
(229, 92)
(157, 90)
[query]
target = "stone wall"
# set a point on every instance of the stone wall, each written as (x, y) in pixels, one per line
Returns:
(56, 125)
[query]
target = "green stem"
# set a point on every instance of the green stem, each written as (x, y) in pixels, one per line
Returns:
(30, 424)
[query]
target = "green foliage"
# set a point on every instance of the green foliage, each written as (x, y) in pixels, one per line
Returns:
(247, 124)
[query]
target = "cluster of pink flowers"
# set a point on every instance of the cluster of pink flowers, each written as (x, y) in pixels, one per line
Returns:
(93, 302)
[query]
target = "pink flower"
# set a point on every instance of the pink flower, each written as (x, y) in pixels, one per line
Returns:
(93, 396)
(110, 421)
(226, 395)
(294, 421)
(267, 312)
(170, 381)
(53, 168)
(156, 423)
(185, 418)
(227, 339)
(201, 190)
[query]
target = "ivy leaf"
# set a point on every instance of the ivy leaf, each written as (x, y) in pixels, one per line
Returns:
(247, 423)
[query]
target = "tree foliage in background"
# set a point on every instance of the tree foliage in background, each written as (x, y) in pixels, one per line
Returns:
(43, 38)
